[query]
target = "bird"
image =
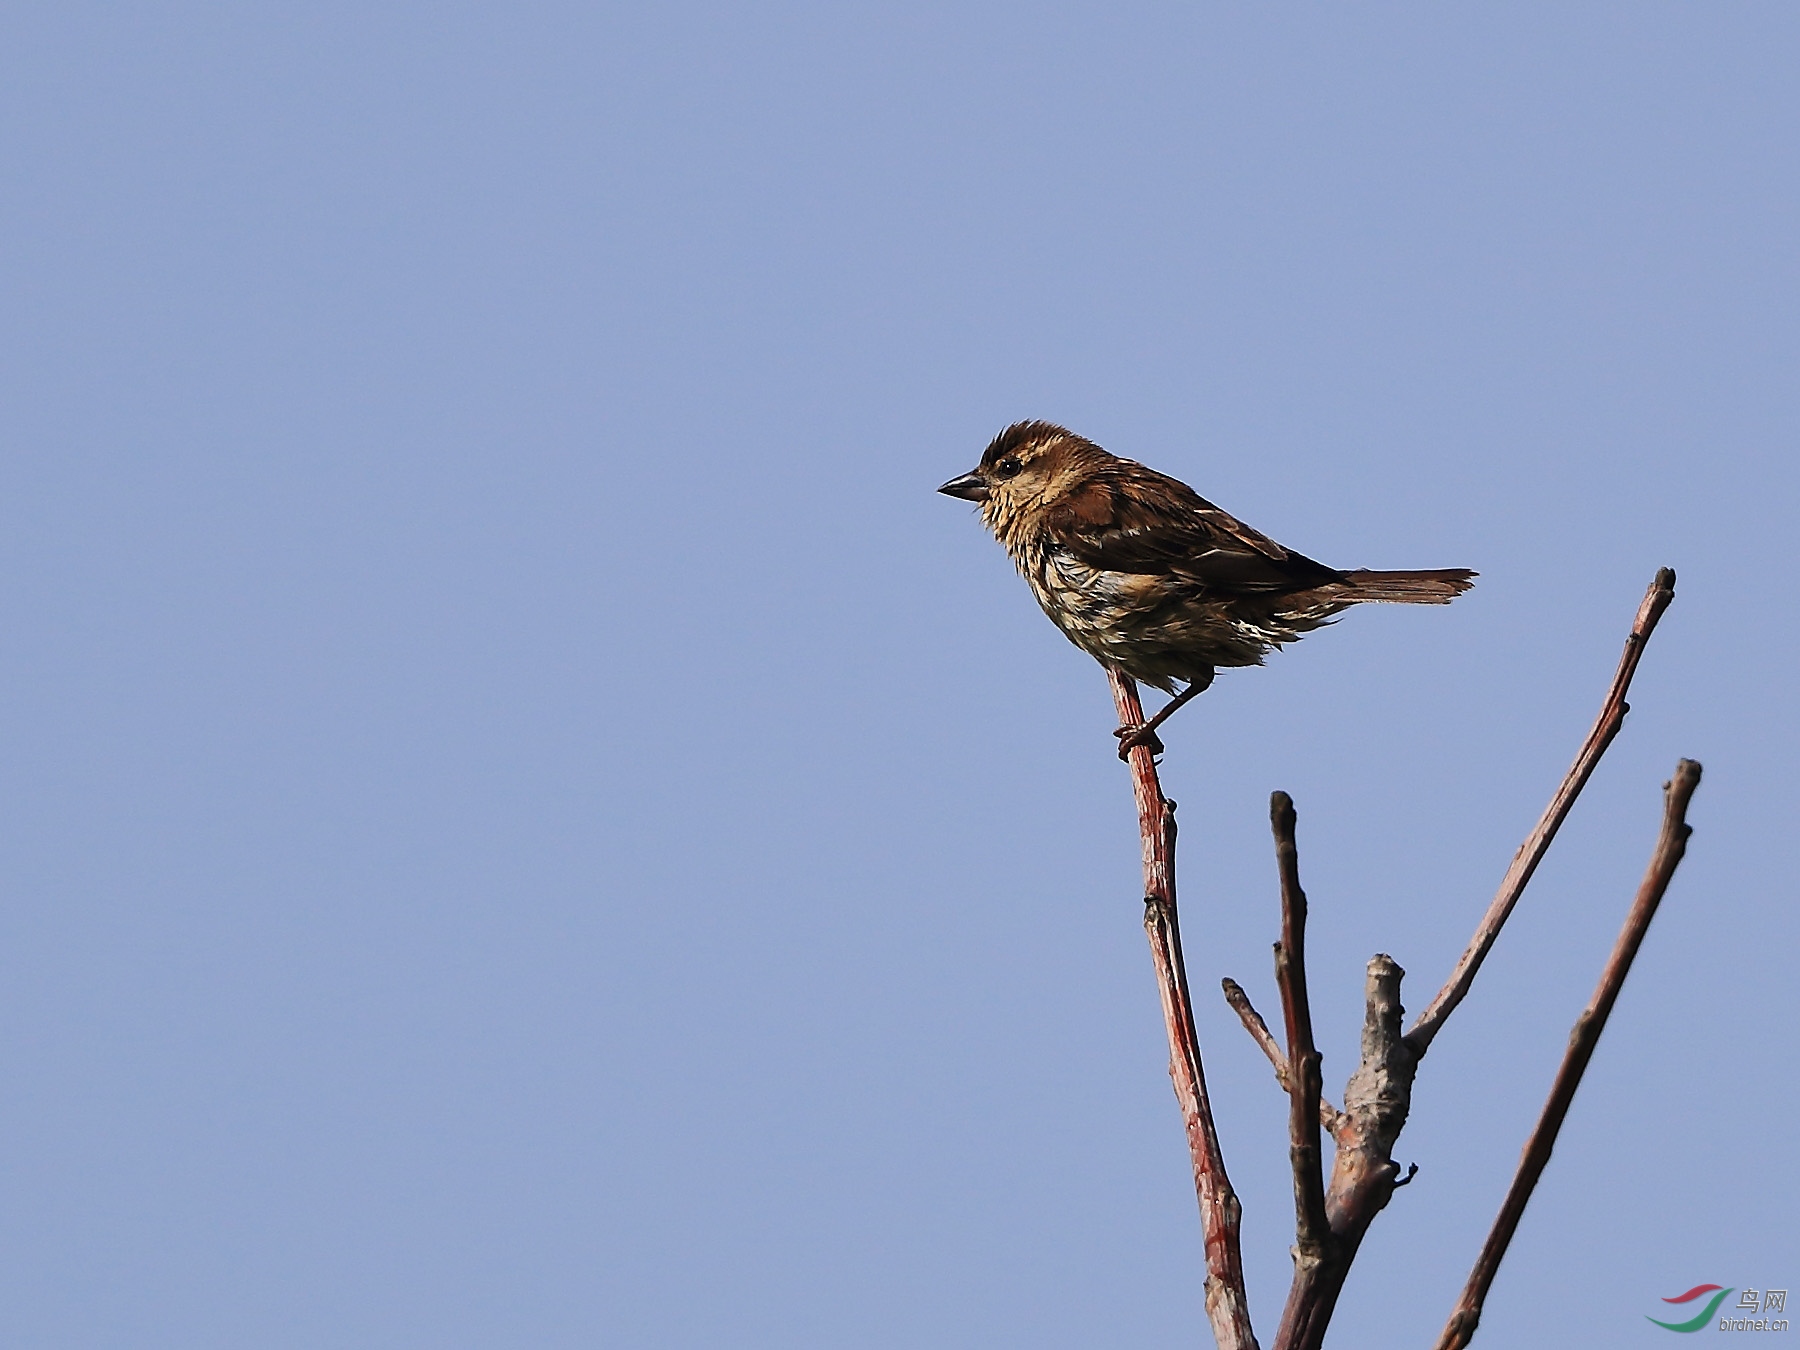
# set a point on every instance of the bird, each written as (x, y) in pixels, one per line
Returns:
(1148, 577)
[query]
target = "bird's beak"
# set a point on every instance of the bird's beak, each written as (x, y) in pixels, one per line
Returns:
(971, 487)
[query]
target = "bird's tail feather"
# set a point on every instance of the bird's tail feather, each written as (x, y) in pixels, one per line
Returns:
(1405, 588)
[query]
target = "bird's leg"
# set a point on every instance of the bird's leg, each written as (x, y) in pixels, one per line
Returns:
(1145, 732)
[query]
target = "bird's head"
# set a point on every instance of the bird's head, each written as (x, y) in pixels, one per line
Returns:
(1028, 466)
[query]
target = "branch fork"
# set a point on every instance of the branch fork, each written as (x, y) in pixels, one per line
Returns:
(1332, 1215)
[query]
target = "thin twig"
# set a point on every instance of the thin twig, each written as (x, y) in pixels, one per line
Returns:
(1329, 1115)
(1531, 852)
(1227, 1307)
(1311, 1234)
(1671, 844)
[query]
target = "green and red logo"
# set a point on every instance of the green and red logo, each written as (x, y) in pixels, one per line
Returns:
(1705, 1314)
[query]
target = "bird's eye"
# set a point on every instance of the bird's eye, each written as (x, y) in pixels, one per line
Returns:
(1007, 467)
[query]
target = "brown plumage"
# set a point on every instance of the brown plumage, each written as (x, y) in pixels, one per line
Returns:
(1142, 573)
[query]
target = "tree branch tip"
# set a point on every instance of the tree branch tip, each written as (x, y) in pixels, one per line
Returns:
(1412, 1170)
(1658, 598)
(1606, 726)
(1226, 1306)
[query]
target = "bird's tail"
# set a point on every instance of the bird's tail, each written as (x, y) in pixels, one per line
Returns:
(1405, 588)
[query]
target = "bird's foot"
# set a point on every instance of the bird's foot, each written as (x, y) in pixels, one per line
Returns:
(1142, 734)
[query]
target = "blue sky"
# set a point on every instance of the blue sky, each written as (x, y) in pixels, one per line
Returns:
(527, 822)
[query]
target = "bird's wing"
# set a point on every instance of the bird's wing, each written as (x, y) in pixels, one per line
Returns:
(1133, 519)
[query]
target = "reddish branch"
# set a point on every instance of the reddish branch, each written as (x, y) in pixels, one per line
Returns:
(1227, 1308)
(1312, 1234)
(1531, 852)
(1671, 844)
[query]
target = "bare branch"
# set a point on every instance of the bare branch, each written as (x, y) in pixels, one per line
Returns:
(1310, 1231)
(1363, 1174)
(1227, 1307)
(1671, 844)
(1258, 1029)
(1531, 852)
(1329, 1115)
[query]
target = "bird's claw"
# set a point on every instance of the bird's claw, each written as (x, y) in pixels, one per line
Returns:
(1132, 737)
